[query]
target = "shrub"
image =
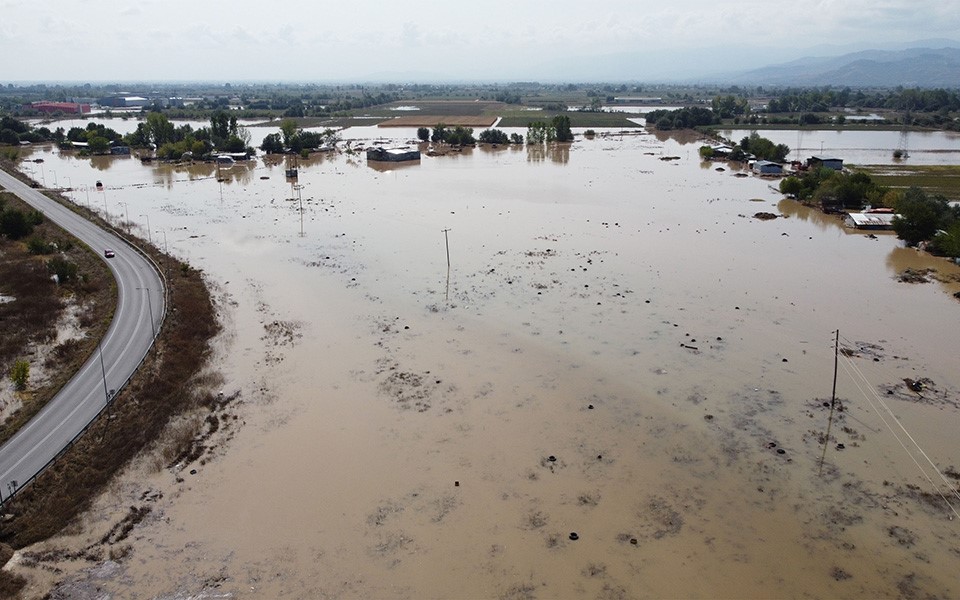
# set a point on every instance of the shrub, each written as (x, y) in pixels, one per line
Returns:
(19, 374)
(62, 268)
(14, 224)
(37, 246)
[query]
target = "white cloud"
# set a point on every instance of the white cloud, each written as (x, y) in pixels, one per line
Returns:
(95, 39)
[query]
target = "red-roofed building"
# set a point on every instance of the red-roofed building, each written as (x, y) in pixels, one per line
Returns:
(63, 107)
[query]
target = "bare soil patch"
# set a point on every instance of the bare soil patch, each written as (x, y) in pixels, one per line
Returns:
(433, 120)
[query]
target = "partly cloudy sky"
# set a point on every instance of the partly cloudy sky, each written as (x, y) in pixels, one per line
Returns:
(235, 40)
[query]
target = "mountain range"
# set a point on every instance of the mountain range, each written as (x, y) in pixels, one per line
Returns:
(912, 67)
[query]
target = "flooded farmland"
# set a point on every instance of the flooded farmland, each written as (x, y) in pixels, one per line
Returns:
(624, 391)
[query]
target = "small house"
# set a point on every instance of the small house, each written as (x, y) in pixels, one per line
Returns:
(766, 167)
(826, 162)
(721, 150)
(871, 220)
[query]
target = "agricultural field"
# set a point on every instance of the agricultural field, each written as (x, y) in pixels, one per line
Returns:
(935, 179)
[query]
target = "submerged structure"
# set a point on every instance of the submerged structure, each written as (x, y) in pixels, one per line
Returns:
(393, 154)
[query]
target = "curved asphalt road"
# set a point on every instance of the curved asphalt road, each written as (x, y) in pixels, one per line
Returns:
(130, 336)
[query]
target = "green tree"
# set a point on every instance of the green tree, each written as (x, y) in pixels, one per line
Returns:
(20, 374)
(199, 148)
(461, 136)
(919, 216)
(9, 136)
(763, 148)
(561, 125)
(234, 144)
(423, 134)
(288, 128)
(99, 145)
(947, 242)
(706, 152)
(440, 133)
(220, 126)
(791, 186)
(272, 144)
(493, 136)
(539, 132)
(159, 130)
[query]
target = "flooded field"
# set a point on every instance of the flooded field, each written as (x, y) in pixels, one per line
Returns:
(860, 147)
(624, 393)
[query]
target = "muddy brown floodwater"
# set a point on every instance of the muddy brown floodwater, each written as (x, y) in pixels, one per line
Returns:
(626, 394)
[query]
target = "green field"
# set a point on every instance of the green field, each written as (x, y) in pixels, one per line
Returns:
(934, 179)
(577, 119)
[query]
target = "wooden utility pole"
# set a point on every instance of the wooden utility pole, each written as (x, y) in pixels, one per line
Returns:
(833, 399)
(446, 239)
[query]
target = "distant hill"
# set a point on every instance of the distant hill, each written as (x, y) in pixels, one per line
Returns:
(913, 67)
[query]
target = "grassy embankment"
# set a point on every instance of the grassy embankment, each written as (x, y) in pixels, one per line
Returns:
(171, 381)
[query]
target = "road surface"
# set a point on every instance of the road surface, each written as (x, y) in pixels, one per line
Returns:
(140, 310)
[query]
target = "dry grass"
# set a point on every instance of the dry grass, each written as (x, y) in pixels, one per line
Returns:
(164, 386)
(33, 316)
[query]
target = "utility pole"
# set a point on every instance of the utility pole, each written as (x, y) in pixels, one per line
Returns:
(149, 235)
(153, 327)
(299, 189)
(126, 211)
(833, 399)
(103, 371)
(446, 239)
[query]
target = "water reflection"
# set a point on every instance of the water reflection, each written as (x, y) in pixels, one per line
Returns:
(557, 153)
(682, 136)
(387, 167)
(792, 208)
(104, 162)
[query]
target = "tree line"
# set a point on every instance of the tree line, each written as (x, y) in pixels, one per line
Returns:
(921, 218)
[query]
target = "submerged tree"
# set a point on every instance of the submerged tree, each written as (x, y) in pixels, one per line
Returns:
(561, 124)
(493, 136)
(539, 132)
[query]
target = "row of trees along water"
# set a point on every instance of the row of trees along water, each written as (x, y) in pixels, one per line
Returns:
(170, 141)
(538, 132)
